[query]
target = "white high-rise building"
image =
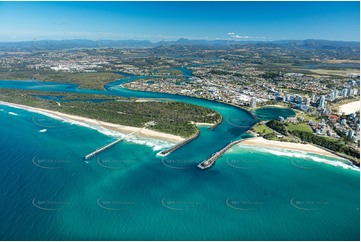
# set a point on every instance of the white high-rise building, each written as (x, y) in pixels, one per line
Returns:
(321, 102)
(354, 91)
(335, 93)
(344, 92)
(313, 98)
(253, 102)
(348, 92)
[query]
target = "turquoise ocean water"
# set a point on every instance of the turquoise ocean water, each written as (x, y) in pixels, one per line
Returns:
(48, 192)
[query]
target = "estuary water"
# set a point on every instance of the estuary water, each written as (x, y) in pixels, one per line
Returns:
(48, 192)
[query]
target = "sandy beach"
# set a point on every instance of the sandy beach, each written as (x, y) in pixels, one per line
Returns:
(264, 143)
(115, 127)
(202, 124)
(349, 108)
(257, 141)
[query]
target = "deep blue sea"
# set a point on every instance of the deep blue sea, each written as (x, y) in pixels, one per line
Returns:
(48, 192)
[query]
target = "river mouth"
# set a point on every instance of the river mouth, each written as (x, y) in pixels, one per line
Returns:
(128, 193)
(236, 121)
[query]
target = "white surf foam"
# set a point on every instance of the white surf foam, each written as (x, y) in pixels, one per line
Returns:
(42, 130)
(79, 123)
(305, 155)
(12, 113)
(155, 144)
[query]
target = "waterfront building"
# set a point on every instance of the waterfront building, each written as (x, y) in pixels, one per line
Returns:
(298, 99)
(253, 102)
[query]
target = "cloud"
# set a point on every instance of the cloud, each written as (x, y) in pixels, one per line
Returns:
(238, 36)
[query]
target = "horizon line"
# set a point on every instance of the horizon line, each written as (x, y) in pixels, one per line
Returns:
(190, 39)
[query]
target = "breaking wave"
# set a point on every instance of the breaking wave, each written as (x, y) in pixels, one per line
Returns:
(155, 144)
(339, 162)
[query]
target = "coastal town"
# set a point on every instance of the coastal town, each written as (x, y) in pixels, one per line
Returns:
(323, 92)
(132, 120)
(335, 121)
(325, 116)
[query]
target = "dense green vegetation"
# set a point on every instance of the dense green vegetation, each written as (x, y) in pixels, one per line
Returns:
(274, 76)
(84, 80)
(278, 126)
(270, 136)
(304, 133)
(324, 142)
(285, 128)
(169, 117)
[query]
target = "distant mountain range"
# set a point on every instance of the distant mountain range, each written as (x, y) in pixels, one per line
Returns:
(84, 43)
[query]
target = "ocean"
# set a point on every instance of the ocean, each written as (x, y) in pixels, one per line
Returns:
(48, 191)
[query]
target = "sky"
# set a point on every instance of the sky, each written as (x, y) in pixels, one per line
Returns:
(156, 21)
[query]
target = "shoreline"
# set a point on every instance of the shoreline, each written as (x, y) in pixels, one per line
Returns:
(264, 143)
(254, 142)
(349, 108)
(271, 105)
(202, 124)
(147, 133)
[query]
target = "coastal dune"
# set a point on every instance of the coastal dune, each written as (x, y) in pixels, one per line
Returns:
(143, 132)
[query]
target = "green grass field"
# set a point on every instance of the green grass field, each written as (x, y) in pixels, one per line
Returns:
(261, 129)
(299, 126)
(306, 117)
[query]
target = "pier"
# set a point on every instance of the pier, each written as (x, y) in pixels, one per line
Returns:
(97, 151)
(211, 160)
(177, 146)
